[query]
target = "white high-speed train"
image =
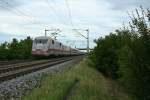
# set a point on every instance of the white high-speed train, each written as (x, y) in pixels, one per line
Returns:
(46, 46)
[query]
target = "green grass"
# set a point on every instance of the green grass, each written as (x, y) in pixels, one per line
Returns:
(91, 86)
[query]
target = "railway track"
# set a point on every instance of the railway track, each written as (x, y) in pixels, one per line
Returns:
(2, 63)
(11, 71)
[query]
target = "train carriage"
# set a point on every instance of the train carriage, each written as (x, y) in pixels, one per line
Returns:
(46, 46)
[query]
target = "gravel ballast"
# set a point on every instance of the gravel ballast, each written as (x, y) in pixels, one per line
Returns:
(16, 88)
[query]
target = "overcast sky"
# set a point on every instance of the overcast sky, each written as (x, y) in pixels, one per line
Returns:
(22, 18)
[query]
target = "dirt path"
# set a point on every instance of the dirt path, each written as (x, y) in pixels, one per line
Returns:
(71, 90)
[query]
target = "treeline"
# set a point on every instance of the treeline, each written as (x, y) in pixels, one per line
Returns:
(124, 55)
(16, 49)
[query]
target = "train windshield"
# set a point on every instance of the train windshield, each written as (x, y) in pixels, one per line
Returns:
(41, 41)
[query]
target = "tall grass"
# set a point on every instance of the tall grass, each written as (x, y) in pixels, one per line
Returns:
(91, 86)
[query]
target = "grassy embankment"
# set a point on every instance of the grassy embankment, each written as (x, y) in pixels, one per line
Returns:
(91, 85)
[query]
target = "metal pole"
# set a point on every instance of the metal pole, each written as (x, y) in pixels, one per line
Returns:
(45, 32)
(86, 37)
(87, 40)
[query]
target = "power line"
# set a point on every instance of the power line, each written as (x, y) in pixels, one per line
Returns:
(69, 12)
(11, 11)
(17, 11)
(54, 11)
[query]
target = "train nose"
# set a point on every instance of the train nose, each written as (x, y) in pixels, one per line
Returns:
(41, 47)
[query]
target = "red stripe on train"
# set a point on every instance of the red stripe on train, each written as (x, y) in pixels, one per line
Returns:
(40, 51)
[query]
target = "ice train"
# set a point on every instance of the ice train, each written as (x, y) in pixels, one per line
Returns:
(46, 46)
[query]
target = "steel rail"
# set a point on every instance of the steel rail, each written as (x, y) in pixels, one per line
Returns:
(24, 70)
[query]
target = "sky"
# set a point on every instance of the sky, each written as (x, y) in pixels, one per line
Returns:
(22, 18)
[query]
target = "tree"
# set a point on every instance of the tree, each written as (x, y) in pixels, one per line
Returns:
(16, 49)
(3, 51)
(125, 55)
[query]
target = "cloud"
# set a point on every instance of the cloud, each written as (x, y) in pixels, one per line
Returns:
(31, 17)
(9, 4)
(7, 37)
(128, 4)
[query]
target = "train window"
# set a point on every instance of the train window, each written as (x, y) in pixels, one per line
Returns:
(43, 41)
(52, 41)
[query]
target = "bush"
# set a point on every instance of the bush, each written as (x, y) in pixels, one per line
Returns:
(124, 55)
(16, 49)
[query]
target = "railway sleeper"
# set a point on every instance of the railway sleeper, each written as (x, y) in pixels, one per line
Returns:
(13, 74)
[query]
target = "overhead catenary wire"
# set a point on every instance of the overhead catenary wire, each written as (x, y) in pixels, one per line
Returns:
(14, 12)
(17, 11)
(70, 17)
(7, 8)
(69, 12)
(54, 11)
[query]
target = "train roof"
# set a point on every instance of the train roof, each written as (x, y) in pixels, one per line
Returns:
(46, 37)
(43, 37)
